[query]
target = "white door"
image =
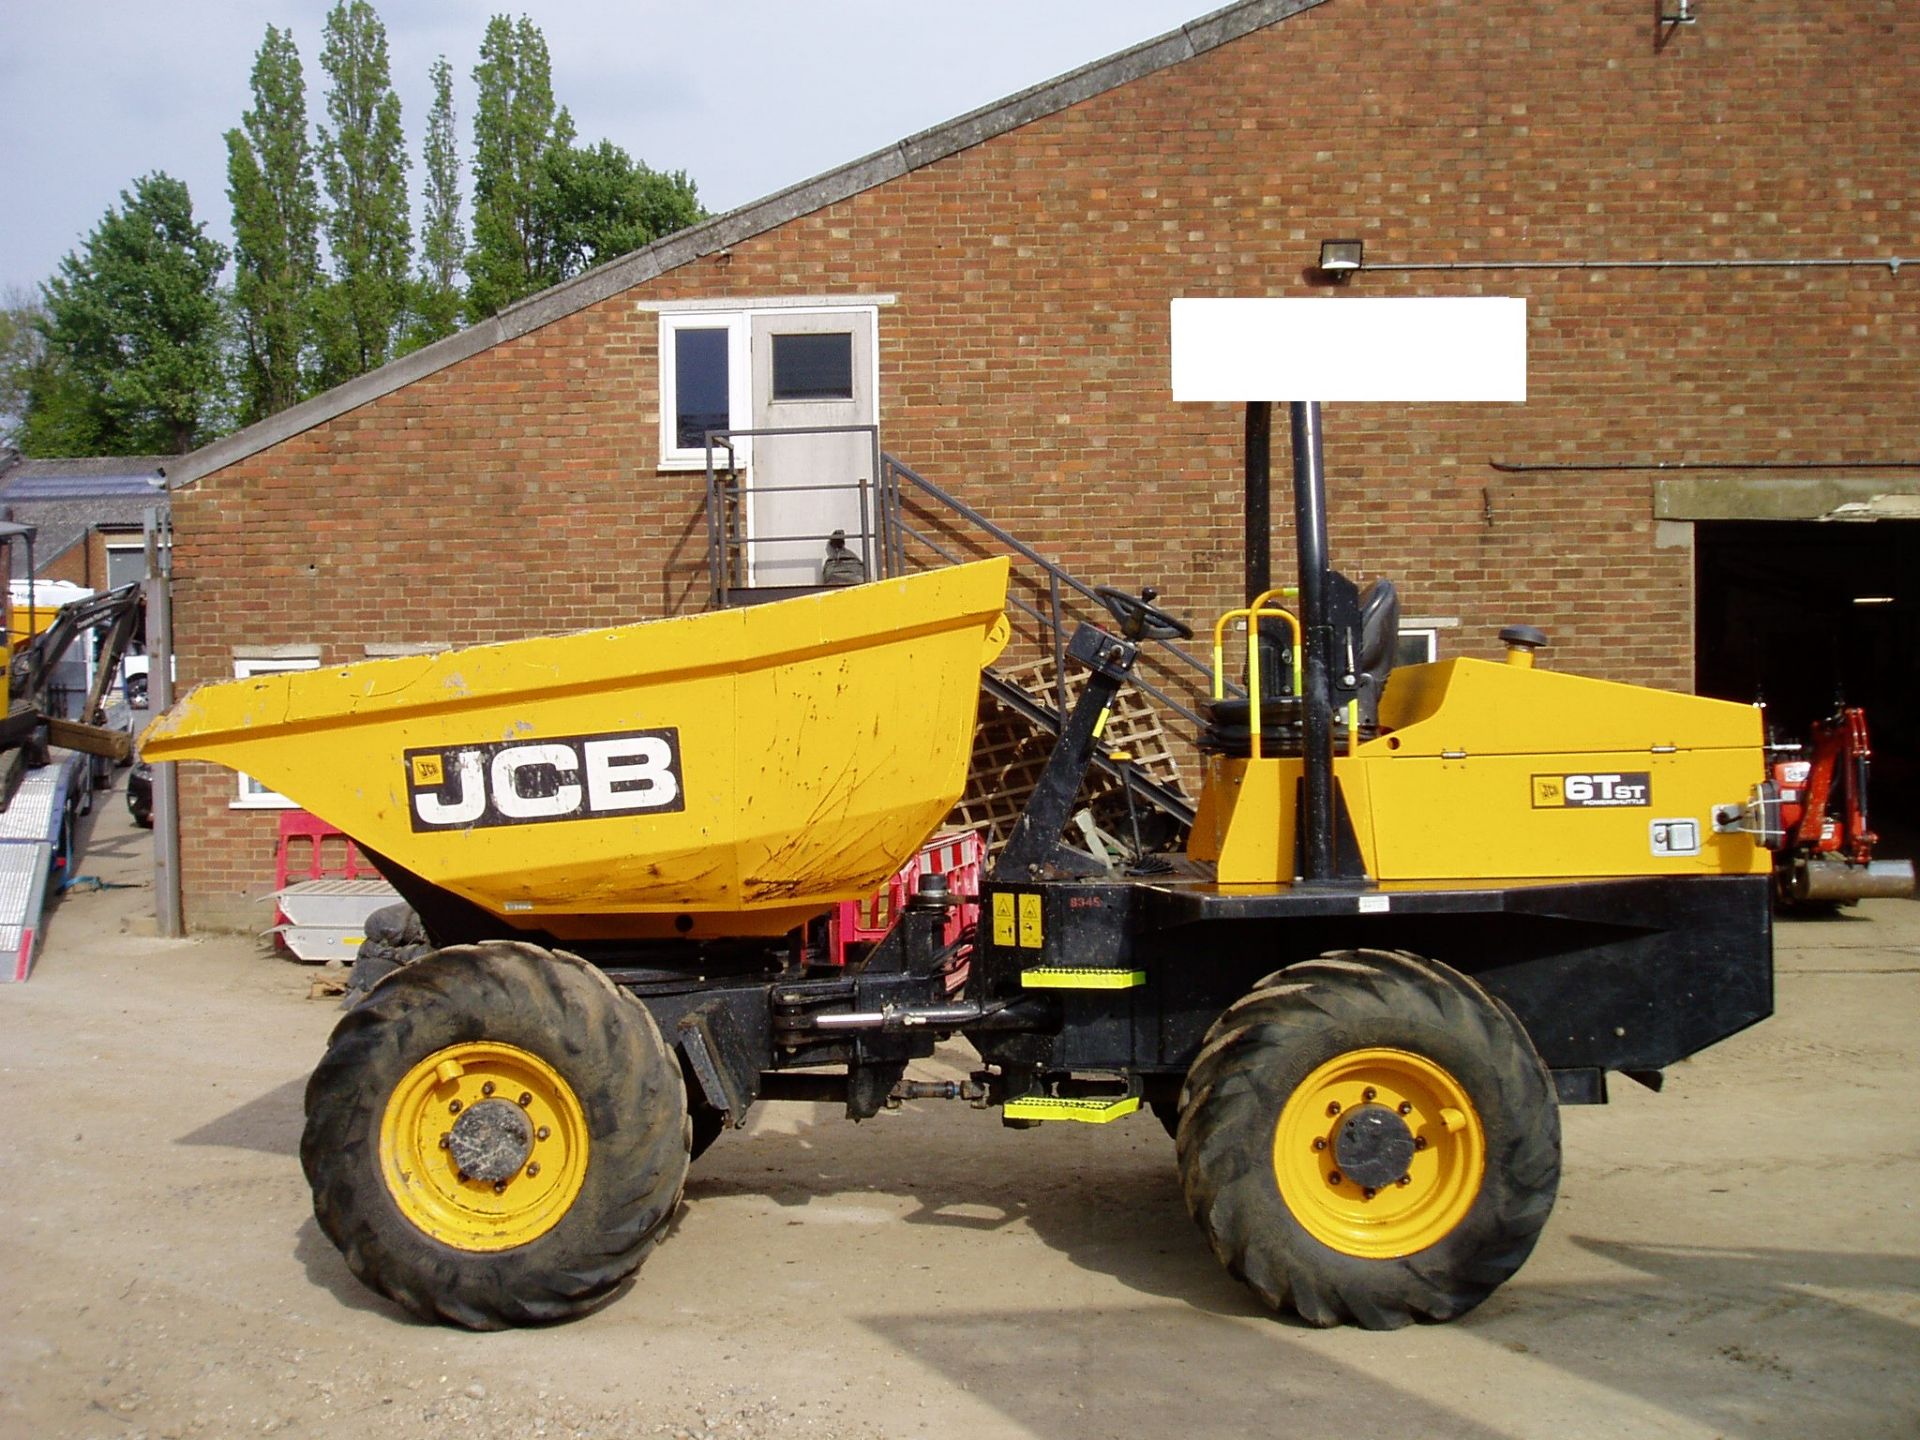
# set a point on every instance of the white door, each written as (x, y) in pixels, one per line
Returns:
(810, 370)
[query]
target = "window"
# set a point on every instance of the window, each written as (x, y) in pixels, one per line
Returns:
(704, 384)
(813, 367)
(1419, 638)
(253, 795)
(126, 563)
(1416, 647)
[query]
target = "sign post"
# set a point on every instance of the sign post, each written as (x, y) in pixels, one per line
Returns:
(1305, 351)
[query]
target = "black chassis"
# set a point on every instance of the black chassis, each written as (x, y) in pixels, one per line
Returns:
(1623, 975)
(1626, 975)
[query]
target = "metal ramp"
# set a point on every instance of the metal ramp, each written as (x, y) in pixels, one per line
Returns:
(33, 837)
(327, 919)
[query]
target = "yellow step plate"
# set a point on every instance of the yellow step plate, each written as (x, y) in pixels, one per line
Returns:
(1091, 1111)
(1067, 977)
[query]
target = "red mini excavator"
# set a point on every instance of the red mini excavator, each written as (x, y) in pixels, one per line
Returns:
(1827, 854)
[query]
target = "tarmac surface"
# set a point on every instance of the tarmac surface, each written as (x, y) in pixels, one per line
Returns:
(1739, 1256)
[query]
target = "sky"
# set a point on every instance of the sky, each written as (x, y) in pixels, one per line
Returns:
(747, 96)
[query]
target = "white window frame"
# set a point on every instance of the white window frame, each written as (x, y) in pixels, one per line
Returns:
(736, 318)
(673, 455)
(252, 794)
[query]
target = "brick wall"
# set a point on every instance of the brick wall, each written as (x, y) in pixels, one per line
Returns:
(1024, 365)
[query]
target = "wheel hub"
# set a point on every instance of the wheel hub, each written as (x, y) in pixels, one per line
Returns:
(1372, 1146)
(491, 1140)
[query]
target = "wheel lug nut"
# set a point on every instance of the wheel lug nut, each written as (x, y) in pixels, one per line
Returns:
(453, 1107)
(542, 1133)
(1419, 1142)
(487, 1089)
(445, 1141)
(499, 1187)
(1320, 1143)
(1404, 1180)
(1406, 1107)
(463, 1176)
(1333, 1107)
(1368, 1094)
(526, 1098)
(1333, 1178)
(533, 1169)
(1367, 1193)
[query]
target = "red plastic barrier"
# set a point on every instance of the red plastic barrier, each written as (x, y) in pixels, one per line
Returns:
(962, 858)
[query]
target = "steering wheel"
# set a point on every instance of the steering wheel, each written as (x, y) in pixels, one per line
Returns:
(1138, 617)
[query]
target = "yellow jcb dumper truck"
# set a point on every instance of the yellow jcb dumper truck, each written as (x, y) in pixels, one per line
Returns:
(1419, 910)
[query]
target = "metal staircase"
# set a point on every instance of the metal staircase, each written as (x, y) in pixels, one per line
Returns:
(911, 524)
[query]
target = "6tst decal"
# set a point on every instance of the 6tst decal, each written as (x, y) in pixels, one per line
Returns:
(1608, 790)
(530, 782)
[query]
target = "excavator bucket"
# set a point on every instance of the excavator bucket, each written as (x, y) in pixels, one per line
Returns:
(729, 773)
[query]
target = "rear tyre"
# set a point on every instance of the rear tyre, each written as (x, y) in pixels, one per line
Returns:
(1369, 1137)
(496, 1136)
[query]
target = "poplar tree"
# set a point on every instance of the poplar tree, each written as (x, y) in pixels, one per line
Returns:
(515, 127)
(276, 216)
(443, 238)
(23, 348)
(133, 331)
(369, 231)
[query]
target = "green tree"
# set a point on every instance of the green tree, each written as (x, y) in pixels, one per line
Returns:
(23, 351)
(276, 216)
(133, 331)
(443, 239)
(369, 230)
(597, 204)
(515, 128)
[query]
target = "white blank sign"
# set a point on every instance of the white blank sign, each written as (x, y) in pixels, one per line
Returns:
(1421, 348)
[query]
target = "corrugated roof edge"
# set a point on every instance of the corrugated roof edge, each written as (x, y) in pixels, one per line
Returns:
(756, 218)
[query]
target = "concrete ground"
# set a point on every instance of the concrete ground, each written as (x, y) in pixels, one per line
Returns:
(1738, 1257)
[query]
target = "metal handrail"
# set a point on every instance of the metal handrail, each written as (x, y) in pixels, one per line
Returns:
(887, 527)
(1058, 579)
(723, 545)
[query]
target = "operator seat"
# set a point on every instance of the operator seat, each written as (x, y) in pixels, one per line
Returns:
(1230, 731)
(1379, 635)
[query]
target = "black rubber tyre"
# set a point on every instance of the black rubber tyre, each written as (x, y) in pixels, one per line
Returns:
(608, 1052)
(1304, 1023)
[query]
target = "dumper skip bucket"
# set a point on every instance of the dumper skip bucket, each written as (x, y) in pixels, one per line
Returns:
(729, 773)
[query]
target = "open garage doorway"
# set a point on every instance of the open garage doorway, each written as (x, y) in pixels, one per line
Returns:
(1798, 612)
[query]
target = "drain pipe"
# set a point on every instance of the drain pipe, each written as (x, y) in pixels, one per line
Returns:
(167, 909)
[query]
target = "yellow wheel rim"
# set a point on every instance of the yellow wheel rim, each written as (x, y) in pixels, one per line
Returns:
(480, 1079)
(1395, 1215)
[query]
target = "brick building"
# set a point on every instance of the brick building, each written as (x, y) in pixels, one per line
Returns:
(1003, 285)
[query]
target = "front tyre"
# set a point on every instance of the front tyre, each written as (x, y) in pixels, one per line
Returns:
(1369, 1137)
(496, 1136)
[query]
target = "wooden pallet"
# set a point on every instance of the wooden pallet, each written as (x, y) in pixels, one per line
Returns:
(1009, 753)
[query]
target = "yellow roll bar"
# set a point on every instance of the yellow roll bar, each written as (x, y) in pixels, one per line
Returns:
(1253, 614)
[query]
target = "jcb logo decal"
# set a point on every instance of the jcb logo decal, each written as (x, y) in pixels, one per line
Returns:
(530, 782)
(1592, 792)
